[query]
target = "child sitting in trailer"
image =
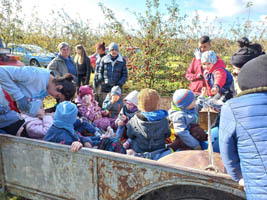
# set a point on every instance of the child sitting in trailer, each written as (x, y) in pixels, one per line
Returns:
(62, 131)
(113, 102)
(149, 127)
(37, 127)
(127, 112)
(184, 116)
(218, 78)
(89, 109)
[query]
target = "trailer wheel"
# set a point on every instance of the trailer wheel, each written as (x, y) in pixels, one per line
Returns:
(188, 192)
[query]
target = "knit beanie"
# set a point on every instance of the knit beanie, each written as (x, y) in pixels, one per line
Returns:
(242, 56)
(114, 46)
(253, 74)
(183, 98)
(209, 57)
(84, 90)
(132, 97)
(115, 90)
(65, 116)
(148, 100)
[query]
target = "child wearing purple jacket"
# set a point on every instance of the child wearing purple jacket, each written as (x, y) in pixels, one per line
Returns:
(88, 108)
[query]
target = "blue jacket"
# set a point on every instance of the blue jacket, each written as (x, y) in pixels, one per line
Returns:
(63, 136)
(182, 121)
(113, 72)
(243, 142)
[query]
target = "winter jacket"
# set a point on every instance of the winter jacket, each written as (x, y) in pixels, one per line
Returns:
(242, 141)
(114, 109)
(97, 68)
(182, 122)
(94, 114)
(36, 127)
(192, 74)
(147, 135)
(58, 66)
(128, 113)
(218, 76)
(84, 70)
(63, 136)
(113, 73)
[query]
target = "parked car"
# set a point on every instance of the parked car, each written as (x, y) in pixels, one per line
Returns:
(6, 58)
(32, 54)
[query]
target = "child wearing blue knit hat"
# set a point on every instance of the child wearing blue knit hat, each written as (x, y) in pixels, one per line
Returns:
(184, 116)
(62, 131)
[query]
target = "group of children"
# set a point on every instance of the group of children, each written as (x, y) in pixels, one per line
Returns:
(134, 124)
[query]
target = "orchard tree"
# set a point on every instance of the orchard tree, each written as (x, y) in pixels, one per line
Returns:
(149, 47)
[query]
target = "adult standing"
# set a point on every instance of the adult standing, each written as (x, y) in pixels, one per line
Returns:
(243, 130)
(83, 66)
(63, 63)
(113, 70)
(195, 71)
(100, 54)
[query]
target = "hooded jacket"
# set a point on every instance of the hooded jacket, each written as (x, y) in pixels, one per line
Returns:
(243, 142)
(148, 135)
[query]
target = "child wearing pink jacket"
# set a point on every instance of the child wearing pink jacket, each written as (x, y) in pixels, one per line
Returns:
(37, 127)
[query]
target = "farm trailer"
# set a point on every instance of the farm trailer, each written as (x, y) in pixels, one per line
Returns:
(41, 170)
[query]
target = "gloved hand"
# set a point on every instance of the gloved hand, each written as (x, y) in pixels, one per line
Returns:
(23, 104)
(197, 53)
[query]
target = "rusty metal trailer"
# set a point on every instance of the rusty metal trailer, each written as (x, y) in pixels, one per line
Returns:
(42, 170)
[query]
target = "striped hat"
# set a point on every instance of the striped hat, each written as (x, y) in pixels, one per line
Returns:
(183, 98)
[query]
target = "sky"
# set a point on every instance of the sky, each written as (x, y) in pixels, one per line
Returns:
(224, 10)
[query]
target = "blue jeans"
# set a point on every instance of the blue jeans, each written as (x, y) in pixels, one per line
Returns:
(215, 140)
(161, 154)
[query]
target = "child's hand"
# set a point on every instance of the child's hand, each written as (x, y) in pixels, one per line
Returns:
(41, 113)
(130, 152)
(123, 118)
(75, 146)
(214, 90)
(120, 123)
